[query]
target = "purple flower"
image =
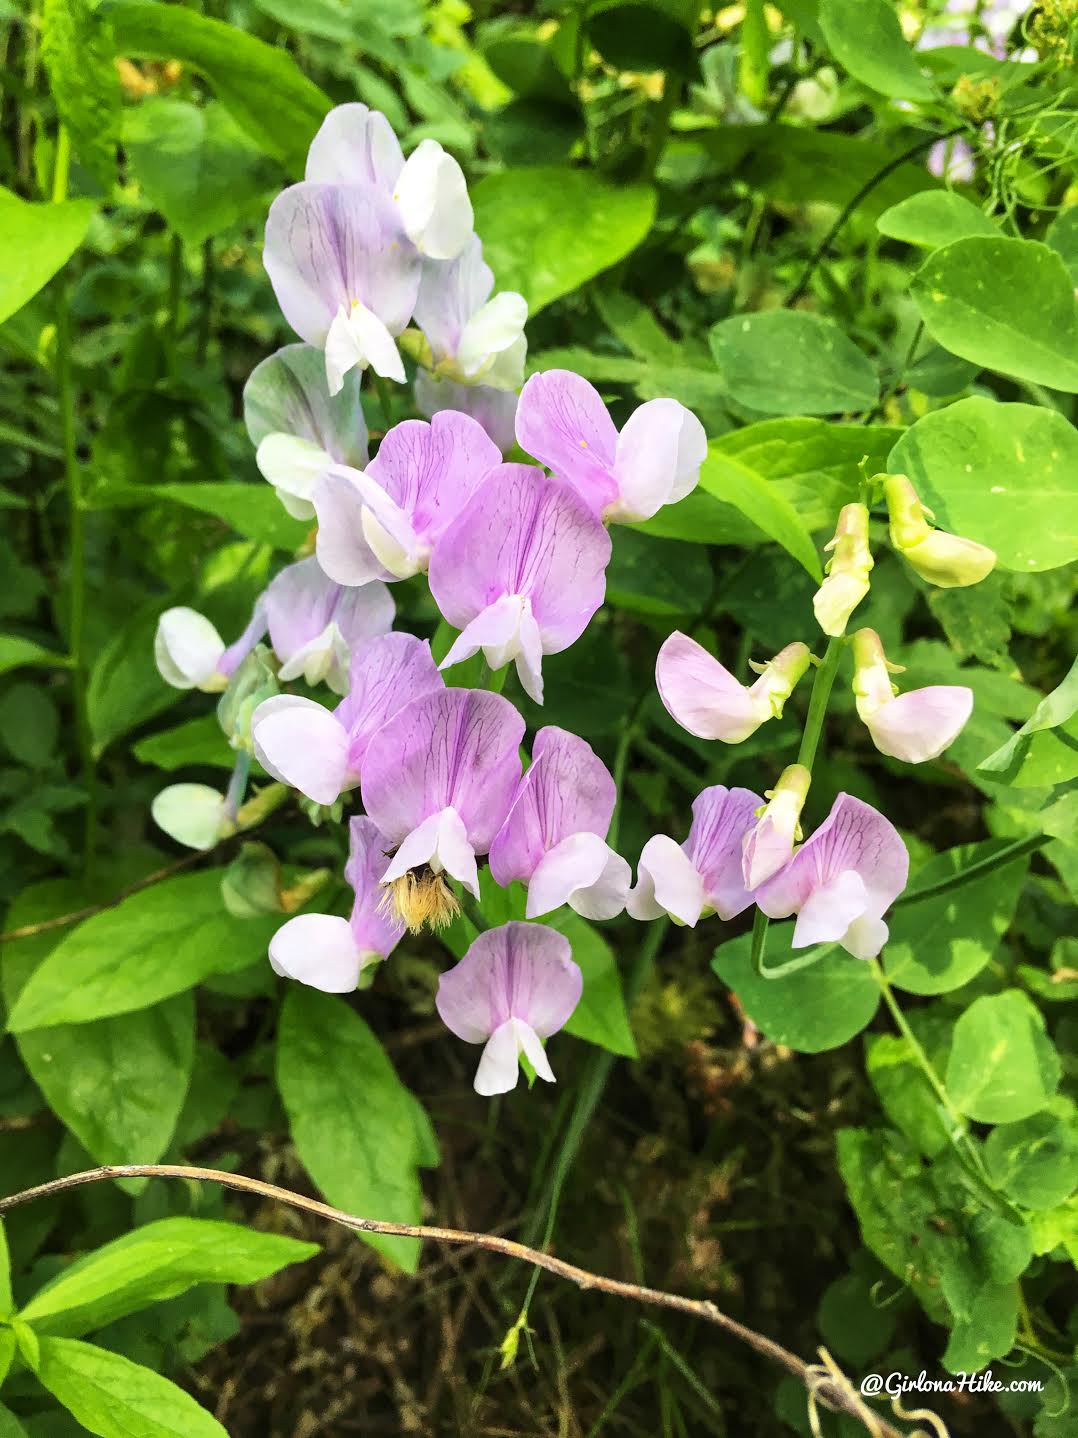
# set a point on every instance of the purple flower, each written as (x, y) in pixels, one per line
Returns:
(328, 952)
(344, 274)
(357, 146)
(626, 477)
(438, 781)
(388, 518)
(299, 430)
(315, 625)
(916, 726)
(703, 875)
(471, 336)
(515, 986)
(554, 839)
(706, 699)
(494, 409)
(520, 572)
(321, 753)
(842, 881)
(952, 160)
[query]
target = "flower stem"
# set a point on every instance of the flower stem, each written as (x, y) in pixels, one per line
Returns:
(1028, 845)
(77, 527)
(821, 692)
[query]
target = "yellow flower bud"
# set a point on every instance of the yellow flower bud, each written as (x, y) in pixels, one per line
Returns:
(847, 571)
(946, 560)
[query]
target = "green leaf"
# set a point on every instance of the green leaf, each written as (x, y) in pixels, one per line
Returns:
(734, 483)
(7, 1357)
(1053, 710)
(35, 242)
(1002, 474)
(352, 1119)
(155, 943)
(10, 1427)
(252, 510)
(934, 218)
(79, 52)
(1049, 758)
(1006, 304)
(811, 1010)
(1034, 1161)
(155, 1263)
(125, 686)
(866, 38)
(261, 85)
(1063, 237)
(600, 1017)
(901, 1086)
(1003, 1066)
(642, 36)
(7, 1302)
(195, 741)
(115, 1398)
(789, 362)
(194, 164)
(938, 944)
(547, 231)
(989, 1331)
(657, 576)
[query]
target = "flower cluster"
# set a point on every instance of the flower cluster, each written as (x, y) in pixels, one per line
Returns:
(515, 556)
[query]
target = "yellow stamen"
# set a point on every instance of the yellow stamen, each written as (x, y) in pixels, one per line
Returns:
(420, 898)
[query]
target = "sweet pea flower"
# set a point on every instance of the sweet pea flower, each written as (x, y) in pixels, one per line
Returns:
(494, 409)
(703, 875)
(847, 571)
(554, 838)
(842, 881)
(946, 560)
(357, 146)
(316, 625)
(298, 428)
(515, 986)
(195, 815)
(916, 726)
(190, 654)
(520, 572)
(705, 698)
(321, 752)
(438, 781)
(470, 336)
(328, 952)
(344, 274)
(769, 843)
(388, 518)
(626, 477)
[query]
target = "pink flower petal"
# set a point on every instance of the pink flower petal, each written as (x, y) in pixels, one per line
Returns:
(702, 696)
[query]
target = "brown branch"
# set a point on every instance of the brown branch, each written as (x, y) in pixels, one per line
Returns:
(828, 1387)
(27, 931)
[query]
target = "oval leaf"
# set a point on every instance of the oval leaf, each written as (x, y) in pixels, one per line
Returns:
(786, 362)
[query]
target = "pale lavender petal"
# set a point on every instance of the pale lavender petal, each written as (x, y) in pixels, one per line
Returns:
(523, 534)
(920, 724)
(667, 879)
(703, 696)
(239, 649)
(375, 928)
(319, 950)
(300, 743)
(567, 790)
(341, 548)
(456, 748)
(853, 836)
(584, 872)
(355, 146)
(830, 910)
(431, 470)
(563, 423)
(657, 460)
(768, 846)
(302, 602)
(720, 820)
(287, 394)
(494, 409)
(385, 676)
(449, 294)
(329, 247)
(517, 971)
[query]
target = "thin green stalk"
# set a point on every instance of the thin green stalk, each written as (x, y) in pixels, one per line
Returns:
(1002, 856)
(384, 401)
(205, 301)
(821, 692)
(175, 286)
(77, 528)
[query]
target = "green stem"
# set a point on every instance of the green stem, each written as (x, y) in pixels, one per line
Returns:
(205, 302)
(1002, 856)
(821, 693)
(384, 401)
(77, 527)
(175, 287)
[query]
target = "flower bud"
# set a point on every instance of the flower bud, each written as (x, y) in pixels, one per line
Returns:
(946, 560)
(193, 814)
(188, 649)
(770, 844)
(915, 726)
(251, 885)
(847, 571)
(254, 681)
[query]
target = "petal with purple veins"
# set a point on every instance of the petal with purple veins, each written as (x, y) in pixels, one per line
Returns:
(563, 423)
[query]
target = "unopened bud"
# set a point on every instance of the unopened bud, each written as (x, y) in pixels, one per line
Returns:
(251, 885)
(779, 677)
(770, 844)
(946, 560)
(254, 681)
(847, 571)
(193, 814)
